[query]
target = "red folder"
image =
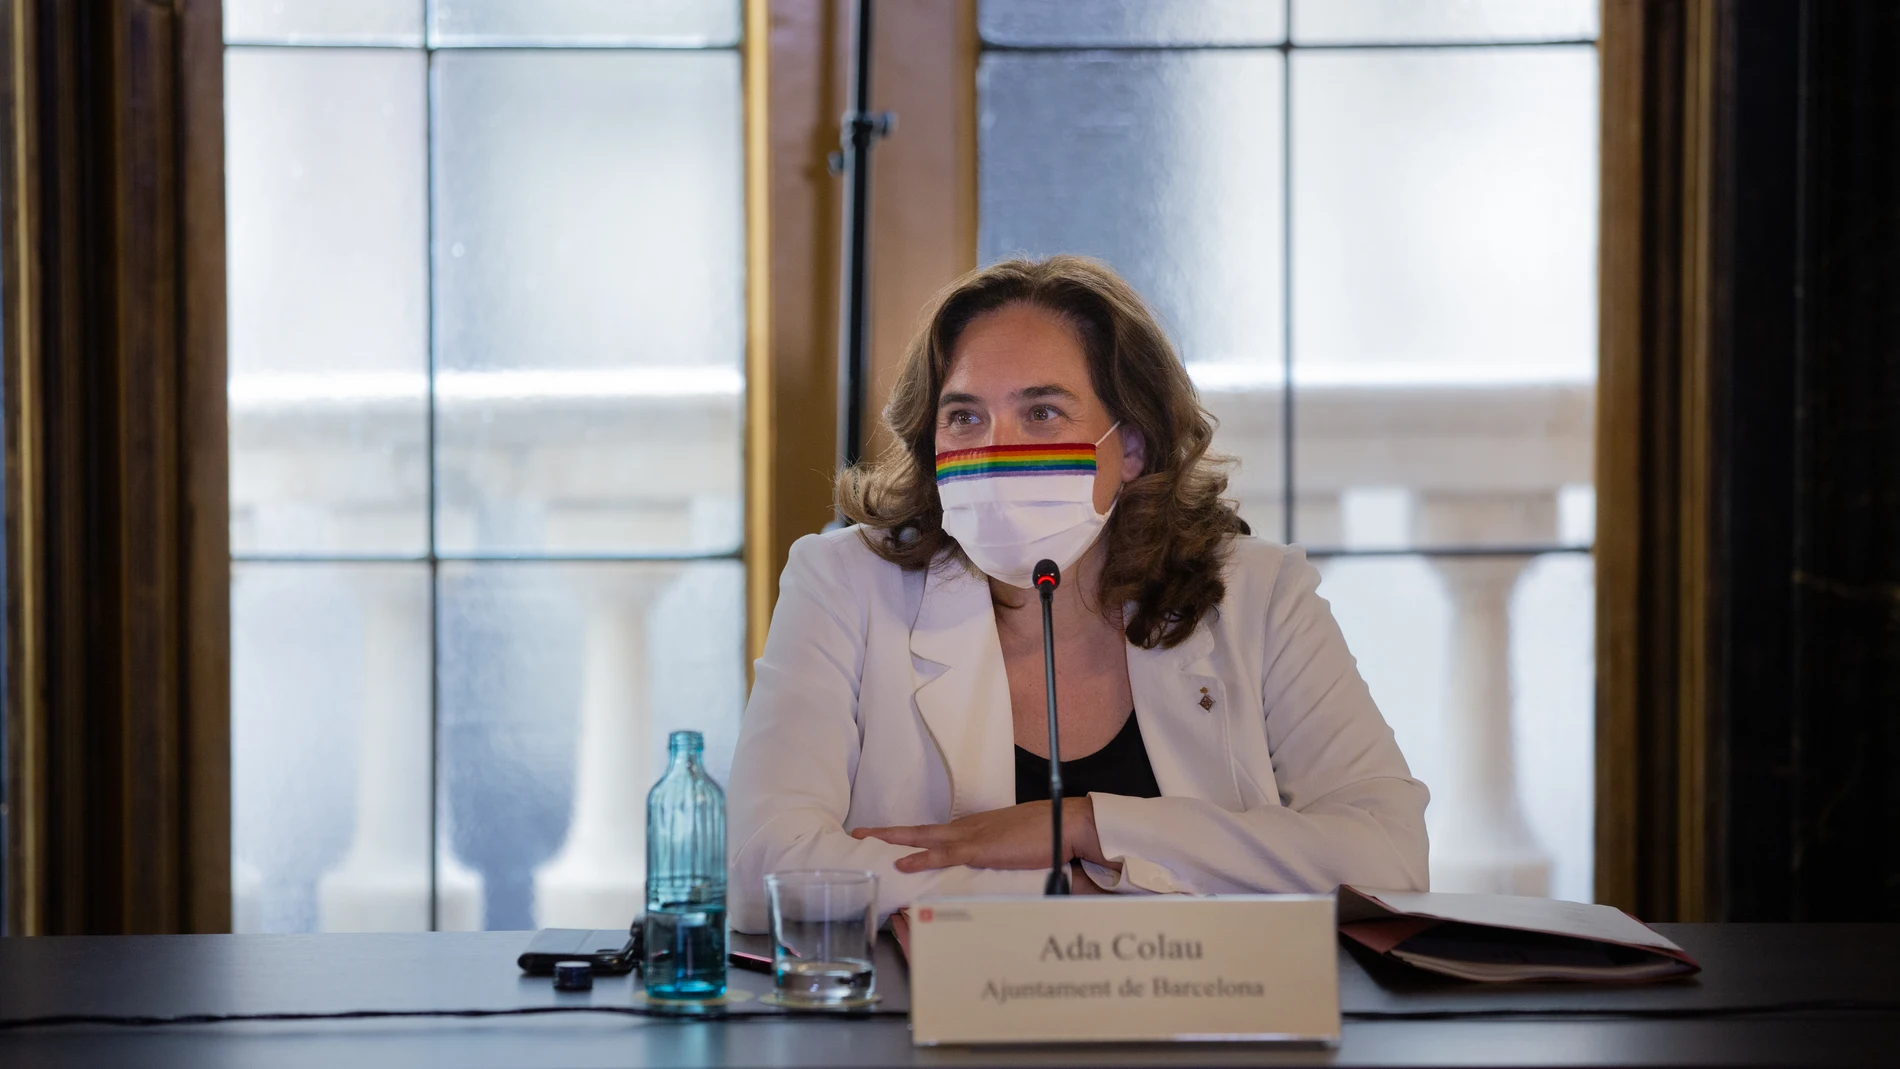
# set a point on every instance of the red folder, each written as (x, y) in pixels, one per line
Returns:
(1506, 938)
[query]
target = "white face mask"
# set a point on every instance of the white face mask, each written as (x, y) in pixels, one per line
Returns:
(1010, 506)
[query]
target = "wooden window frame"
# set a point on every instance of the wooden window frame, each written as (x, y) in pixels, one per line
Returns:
(922, 237)
(117, 541)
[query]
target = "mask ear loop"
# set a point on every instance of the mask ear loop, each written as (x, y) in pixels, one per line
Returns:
(1118, 484)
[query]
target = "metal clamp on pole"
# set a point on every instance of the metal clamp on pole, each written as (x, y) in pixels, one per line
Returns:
(856, 131)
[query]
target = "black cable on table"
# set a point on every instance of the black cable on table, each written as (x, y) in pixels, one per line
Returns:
(136, 1020)
(1764, 1009)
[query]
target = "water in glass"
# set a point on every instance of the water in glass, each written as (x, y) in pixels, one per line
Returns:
(824, 923)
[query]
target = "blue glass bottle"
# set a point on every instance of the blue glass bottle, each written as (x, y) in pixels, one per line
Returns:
(686, 877)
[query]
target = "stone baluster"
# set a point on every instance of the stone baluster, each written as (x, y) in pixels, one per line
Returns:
(598, 877)
(1481, 841)
(247, 897)
(382, 884)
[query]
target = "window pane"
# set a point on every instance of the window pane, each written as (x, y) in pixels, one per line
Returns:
(590, 301)
(1484, 668)
(330, 747)
(1403, 21)
(1131, 22)
(1444, 281)
(1192, 218)
(384, 22)
(329, 335)
(559, 686)
(677, 23)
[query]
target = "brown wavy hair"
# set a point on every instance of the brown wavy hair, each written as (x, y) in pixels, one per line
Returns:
(1170, 531)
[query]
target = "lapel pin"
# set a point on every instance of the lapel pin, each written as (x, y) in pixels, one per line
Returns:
(1207, 701)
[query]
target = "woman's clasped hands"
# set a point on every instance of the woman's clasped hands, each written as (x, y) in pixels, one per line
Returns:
(1015, 837)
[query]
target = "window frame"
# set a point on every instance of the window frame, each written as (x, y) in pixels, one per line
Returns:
(433, 558)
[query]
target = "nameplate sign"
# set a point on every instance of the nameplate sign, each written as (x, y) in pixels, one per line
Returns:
(1084, 969)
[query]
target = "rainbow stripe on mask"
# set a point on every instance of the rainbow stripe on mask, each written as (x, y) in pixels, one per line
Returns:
(1074, 458)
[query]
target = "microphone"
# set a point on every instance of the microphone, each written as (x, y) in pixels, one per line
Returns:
(1048, 577)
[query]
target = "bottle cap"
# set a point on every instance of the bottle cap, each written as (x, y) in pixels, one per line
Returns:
(573, 976)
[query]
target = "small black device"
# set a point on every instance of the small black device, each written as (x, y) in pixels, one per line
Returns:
(573, 976)
(1048, 577)
(607, 952)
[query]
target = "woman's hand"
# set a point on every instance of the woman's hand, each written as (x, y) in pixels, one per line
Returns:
(1012, 838)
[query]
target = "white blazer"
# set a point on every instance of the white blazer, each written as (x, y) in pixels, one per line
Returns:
(881, 700)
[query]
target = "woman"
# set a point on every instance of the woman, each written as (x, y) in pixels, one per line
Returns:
(1215, 734)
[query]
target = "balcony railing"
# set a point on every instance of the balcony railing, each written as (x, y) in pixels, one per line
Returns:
(334, 466)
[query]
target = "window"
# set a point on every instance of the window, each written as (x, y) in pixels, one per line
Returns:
(1370, 226)
(486, 333)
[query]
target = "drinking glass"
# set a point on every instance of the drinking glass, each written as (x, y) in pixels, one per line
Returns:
(824, 923)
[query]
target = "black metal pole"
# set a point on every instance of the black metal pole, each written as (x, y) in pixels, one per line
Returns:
(1058, 881)
(860, 129)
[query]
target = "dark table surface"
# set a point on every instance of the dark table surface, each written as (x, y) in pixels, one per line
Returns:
(1744, 966)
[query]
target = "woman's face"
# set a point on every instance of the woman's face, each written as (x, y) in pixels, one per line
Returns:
(1019, 377)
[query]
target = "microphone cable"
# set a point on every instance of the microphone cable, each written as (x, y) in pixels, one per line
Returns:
(154, 1020)
(1856, 1007)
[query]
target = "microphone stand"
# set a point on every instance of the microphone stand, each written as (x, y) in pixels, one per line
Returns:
(1047, 578)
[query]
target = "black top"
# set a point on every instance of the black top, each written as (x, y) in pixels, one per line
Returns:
(1121, 768)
